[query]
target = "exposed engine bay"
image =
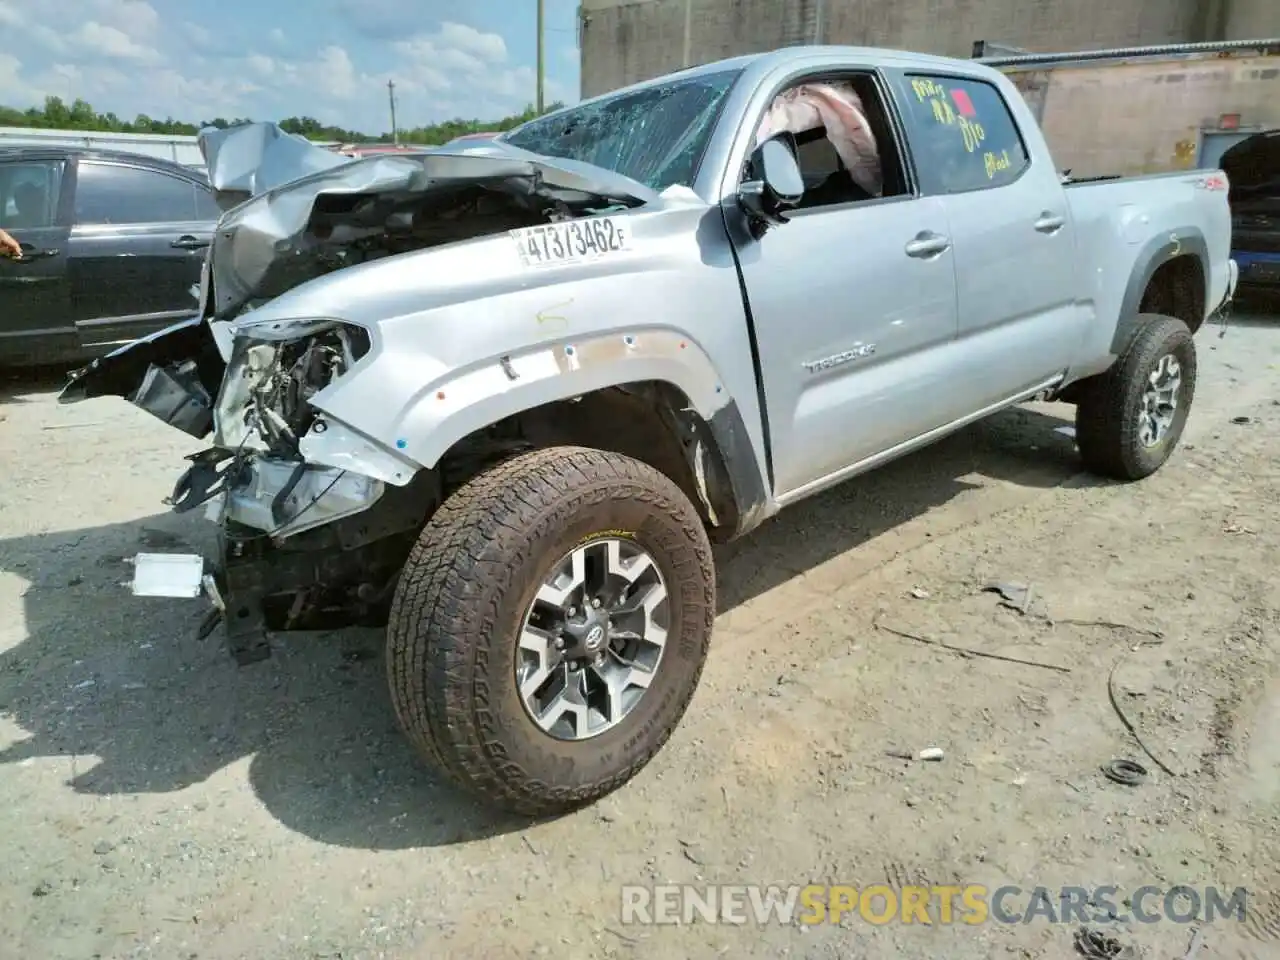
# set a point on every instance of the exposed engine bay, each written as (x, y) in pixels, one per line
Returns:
(268, 407)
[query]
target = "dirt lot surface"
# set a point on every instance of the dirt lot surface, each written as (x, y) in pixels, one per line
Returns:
(161, 802)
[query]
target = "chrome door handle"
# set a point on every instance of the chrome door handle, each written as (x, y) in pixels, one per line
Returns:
(927, 245)
(189, 242)
(30, 253)
(1050, 223)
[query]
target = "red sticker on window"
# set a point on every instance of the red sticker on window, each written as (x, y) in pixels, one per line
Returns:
(963, 103)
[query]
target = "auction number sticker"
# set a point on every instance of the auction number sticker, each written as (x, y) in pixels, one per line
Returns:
(571, 241)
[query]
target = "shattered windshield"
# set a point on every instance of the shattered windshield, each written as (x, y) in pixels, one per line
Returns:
(656, 135)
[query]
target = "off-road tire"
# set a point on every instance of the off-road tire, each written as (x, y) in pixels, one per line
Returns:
(1109, 409)
(460, 603)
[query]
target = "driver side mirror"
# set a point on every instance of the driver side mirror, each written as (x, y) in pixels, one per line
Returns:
(776, 183)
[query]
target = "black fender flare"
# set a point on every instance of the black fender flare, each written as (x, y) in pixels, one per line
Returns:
(735, 469)
(1159, 250)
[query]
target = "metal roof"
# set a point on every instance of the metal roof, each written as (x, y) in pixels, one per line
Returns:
(1271, 46)
(55, 151)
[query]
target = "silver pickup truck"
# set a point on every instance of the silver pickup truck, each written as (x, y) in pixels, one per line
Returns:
(502, 397)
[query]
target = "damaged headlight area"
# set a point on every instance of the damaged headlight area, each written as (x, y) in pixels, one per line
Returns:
(315, 520)
(257, 473)
(274, 371)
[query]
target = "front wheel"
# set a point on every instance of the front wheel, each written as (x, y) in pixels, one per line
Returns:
(550, 627)
(1129, 420)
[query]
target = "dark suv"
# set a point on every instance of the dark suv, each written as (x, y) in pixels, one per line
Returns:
(1253, 170)
(112, 242)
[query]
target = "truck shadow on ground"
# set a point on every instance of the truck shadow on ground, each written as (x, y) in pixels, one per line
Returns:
(15, 382)
(127, 701)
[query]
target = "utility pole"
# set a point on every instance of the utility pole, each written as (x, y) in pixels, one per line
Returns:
(688, 28)
(542, 66)
(391, 97)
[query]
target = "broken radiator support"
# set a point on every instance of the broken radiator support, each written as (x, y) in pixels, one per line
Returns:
(251, 570)
(331, 577)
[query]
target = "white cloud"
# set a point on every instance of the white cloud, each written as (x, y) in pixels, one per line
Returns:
(87, 29)
(13, 83)
(137, 18)
(121, 56)
(334, 74)
(113, 42)
(14, 24)
(260, 66)
(486, 46)
(464, 63)
(200, 37)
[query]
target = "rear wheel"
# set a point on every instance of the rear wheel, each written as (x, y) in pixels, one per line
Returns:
(550, 627)
(1129, 420)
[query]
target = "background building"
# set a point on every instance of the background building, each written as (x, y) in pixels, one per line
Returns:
(1149, 112)
(625, 41)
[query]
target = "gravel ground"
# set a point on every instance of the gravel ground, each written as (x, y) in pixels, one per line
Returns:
(164, 803)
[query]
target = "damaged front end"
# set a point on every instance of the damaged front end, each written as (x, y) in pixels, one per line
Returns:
(316, 518)
(315, 521)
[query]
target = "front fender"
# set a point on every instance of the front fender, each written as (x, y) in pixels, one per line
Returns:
(470, 400)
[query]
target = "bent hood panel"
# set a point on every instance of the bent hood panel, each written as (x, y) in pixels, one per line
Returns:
(286, 179)
(270, 184)
(172, 374)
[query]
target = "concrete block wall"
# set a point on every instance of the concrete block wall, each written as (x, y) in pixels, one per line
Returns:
(625, 41)
(950, 27)
(1252, 20)
(1148, 117)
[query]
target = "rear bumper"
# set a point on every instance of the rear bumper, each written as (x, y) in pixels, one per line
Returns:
(1221, 311)
(1257, 270)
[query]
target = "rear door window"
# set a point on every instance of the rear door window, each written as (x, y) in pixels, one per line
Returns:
(29, 194)
(963, 137)
(111, 193)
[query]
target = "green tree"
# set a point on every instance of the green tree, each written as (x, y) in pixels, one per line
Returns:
(55, 114)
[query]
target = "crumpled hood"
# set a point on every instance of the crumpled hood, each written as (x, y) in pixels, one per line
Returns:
(296, 212)
(289, 201)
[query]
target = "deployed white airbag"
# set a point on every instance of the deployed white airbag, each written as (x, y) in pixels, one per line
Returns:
(838, 109)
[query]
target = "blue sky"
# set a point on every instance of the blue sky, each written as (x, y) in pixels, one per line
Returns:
(268, 59)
